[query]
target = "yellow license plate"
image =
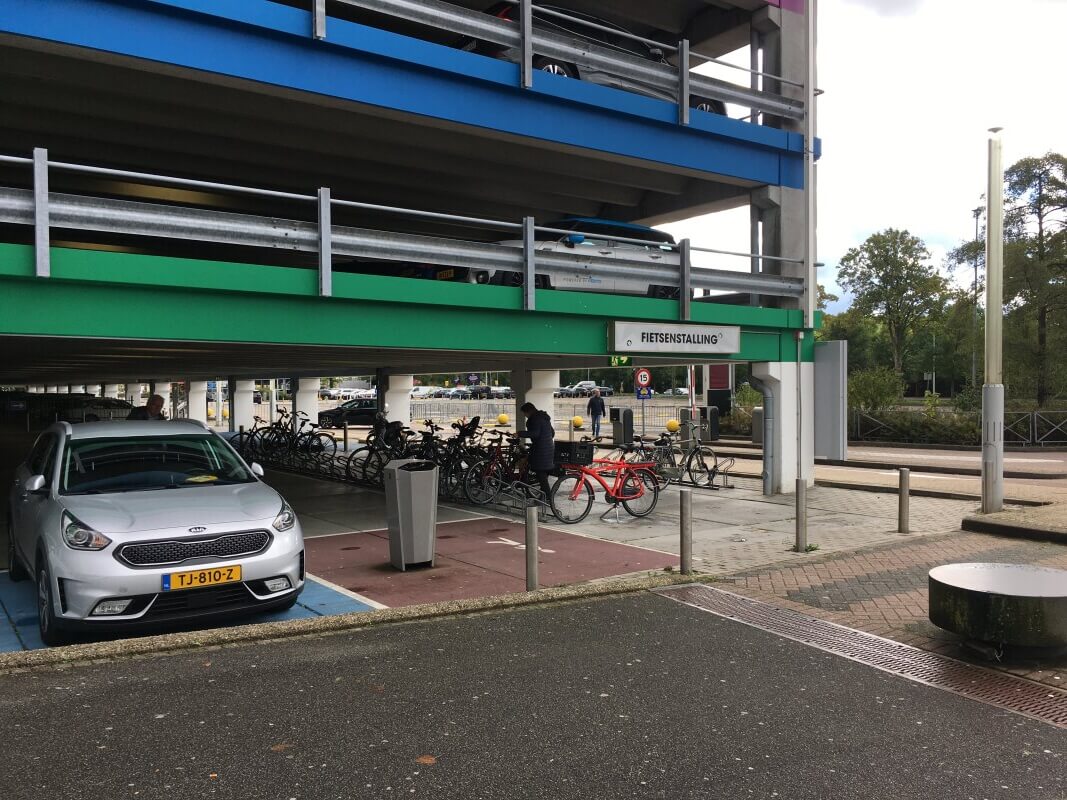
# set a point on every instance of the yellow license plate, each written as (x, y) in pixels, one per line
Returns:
(446, 274)
(196, 578)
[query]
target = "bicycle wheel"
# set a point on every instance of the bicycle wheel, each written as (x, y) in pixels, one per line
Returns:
(374, 469)
(450, 484)
(355, 462)
(483, 482)
(701, 465)
(640, 493)
(667, 469)
(571, 498)
(321, 444)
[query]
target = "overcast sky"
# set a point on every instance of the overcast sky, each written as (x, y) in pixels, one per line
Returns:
(911, 87)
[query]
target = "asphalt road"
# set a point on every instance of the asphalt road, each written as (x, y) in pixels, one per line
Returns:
(634, 696)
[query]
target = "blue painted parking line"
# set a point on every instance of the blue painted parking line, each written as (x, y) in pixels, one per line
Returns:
(18, 610)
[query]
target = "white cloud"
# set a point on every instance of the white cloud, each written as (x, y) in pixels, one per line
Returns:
(904, 118)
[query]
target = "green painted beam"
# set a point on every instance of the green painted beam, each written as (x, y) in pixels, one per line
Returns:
(99, 294)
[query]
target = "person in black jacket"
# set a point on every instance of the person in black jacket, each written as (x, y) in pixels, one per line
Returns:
(595, 409)
(542, 437)
(152, 410)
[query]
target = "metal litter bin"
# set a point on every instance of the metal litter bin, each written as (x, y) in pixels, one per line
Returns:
(411, 511)
(622, 425)
(757, 425)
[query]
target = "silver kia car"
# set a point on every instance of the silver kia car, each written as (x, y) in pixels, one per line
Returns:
(134, 524)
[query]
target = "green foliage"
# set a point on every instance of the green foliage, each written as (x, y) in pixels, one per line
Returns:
(916, 427)
(873, 389)
(747, 398)
(968, 400)
(931, 402)
(891, 280)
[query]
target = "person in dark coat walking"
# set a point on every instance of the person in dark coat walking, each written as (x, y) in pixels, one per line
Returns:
(595, 409)
(542, 438)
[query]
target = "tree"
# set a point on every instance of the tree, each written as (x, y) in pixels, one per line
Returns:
(889, 277)
(823, 298)
(1035, 252)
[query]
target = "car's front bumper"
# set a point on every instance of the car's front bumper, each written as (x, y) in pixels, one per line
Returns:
(81, 580)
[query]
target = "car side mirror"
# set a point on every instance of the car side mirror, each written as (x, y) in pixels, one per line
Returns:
(572, 239)
(257, 470)
(34, 484)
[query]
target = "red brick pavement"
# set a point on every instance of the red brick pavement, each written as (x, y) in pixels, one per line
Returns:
(883, 590)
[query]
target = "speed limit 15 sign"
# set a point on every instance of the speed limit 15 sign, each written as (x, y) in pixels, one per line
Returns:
(642, 378)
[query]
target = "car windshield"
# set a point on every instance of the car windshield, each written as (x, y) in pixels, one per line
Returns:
(142, 463)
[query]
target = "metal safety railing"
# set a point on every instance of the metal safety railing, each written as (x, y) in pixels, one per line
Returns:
(1021, 428)
(44, 210)
(528, 39)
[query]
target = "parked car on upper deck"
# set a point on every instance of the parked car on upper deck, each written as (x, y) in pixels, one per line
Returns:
(128, 524)
(579, 26)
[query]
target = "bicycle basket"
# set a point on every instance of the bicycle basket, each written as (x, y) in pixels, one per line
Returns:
(577, 453)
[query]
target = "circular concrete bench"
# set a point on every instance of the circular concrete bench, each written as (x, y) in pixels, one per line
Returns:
(1006, 604)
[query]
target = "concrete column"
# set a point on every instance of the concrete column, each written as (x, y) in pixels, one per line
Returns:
(111, 390)
(305, 392)
(163, 390)
(534, 386)
(198, 400)
(242, 409)
(781, 377)
(50, 389)
(133, 392)
(397, 396)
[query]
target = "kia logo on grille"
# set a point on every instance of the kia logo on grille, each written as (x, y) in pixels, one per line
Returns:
(197, 529)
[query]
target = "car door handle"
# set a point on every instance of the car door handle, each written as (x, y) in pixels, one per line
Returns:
(604, 252)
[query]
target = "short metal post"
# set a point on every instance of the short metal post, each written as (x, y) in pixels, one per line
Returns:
(529, 273)
(319, 22)
(683, 82)
(41, 238)
(241, 429)
(685, 517)
(344, 427)
(526, 43)
(531, 547)
(325, 244)
(802, 516)
(904, 501)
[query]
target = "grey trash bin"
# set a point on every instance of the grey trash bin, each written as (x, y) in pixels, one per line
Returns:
(411, 511)
(757, 425)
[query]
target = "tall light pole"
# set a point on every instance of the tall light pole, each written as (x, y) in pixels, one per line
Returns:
(974, 331)
(993, 388)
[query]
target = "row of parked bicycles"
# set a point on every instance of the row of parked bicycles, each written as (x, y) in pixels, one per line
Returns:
(482, 466)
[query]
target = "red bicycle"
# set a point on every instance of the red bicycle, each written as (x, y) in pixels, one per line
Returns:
(633, 484)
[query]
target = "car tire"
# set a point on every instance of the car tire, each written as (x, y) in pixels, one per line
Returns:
(705, 104)
(47, 623)
(554, 66)
(15, 570)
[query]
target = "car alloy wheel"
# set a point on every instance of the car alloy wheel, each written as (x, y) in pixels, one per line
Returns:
(15, 570)
(46, 612)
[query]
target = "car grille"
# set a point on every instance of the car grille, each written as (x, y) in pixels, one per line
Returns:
(169, 603)
(231, 545)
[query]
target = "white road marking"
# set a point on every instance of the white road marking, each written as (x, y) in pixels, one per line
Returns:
(517, 545)
(345, 592)
(976, 458)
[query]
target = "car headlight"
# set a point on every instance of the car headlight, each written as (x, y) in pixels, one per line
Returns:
(79, 536)
(285, 520)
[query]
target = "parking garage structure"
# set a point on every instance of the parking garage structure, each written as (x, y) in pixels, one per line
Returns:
(191, 189)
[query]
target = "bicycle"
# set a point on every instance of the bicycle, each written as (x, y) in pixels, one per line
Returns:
(634, 485)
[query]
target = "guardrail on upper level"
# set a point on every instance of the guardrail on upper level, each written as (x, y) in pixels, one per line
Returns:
(44, 209)
(677, 80)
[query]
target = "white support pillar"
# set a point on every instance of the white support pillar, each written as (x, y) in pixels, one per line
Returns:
(50, 389)
(535, 386)
(781, 378)
(133, 392)
(305, 393)
(241, 404)
(198, 400)
(111, 390)
(397, 397)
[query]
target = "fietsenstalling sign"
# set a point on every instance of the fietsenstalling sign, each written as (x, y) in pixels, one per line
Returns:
(653, 337)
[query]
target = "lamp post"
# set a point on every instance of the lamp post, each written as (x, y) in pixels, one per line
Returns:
(993, 388)
(974, 329)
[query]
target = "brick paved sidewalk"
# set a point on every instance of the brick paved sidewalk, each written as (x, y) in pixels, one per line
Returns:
(883, 590)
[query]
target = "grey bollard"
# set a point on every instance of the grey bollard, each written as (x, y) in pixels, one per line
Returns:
(904, 501)
(531, 548)
(344, 427)
(685, 524)
(802, 516)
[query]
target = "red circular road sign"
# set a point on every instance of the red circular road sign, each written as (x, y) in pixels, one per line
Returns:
(642, 378)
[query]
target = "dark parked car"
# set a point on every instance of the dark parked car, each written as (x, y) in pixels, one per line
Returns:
(480, 392)
(579, 26)
(354, 412)
(606, 391)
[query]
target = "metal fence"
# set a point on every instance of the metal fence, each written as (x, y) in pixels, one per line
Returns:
(1021, 428)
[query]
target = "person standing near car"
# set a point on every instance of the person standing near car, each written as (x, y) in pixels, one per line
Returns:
(595, 409)
(153, 409)
(542, 437)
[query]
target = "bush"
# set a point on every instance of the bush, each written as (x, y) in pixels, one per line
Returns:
(916, 427)
(874, 389)
(747, 398)
(968, 399)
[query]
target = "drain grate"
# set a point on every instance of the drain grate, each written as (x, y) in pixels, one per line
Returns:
(986, 686)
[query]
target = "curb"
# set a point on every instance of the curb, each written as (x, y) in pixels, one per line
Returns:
(278, 631)
(870, 487)
(979, 525)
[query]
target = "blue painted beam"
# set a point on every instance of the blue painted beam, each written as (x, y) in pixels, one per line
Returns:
(270, 43)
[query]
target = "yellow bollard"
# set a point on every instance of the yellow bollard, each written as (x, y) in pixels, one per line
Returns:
(503, 419)
(673, 425)
(577, 422)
